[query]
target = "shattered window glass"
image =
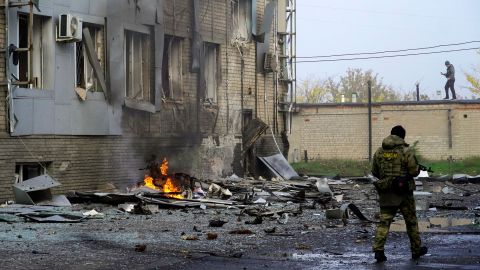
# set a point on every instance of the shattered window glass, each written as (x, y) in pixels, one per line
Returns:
(138, 66)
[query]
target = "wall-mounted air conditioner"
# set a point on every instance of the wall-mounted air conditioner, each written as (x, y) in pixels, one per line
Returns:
(69, 28)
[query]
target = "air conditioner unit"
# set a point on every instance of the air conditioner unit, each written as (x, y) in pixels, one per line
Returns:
(69, 28)
(268, 63)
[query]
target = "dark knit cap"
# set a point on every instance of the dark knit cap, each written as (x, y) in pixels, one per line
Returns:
(399, 131)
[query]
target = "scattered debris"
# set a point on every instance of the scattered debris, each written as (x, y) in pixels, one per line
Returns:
(270, 230)
(241, 231)
(260, 201)
(189, 237)
(216, 223)
(212, 236)
(256, 221)
(93, 214)
(283, 219)
(53, 218)
(217, 191)
(37, 191)
(140, 247)
(422, 200)
(301, 246)
(279, 166)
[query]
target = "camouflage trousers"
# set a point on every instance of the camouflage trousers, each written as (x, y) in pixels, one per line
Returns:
(387, 213)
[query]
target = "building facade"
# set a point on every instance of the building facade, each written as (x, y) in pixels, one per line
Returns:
(107, 84)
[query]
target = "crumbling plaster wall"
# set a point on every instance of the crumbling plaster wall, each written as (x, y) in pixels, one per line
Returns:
(85, 162)
(341, 131)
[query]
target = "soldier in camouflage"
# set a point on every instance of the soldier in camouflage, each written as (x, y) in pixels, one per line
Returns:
(395, 165)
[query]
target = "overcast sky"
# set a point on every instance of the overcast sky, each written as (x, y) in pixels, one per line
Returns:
(350, 26)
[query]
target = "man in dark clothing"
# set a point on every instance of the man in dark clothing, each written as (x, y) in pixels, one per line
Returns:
(395, 165)
(450, 75)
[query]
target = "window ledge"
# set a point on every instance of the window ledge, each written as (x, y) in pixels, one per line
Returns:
(172, 101)
(208, 105)
(33, 93)
(140, 105)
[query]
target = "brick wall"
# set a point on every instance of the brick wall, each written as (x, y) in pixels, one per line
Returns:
(170, 133)
(328, 131)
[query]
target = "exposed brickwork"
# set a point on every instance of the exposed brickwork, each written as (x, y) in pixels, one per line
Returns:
(341, 131)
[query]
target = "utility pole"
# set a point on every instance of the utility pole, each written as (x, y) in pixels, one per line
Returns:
(418, 91)
(369, 121)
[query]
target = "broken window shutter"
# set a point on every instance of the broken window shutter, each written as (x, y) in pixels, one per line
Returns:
(92, 58)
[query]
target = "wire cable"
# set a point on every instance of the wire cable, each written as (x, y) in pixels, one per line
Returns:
(384, 56)
(391, 51)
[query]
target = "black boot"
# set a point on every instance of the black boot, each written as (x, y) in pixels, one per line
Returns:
(423, 250)
(380, 256)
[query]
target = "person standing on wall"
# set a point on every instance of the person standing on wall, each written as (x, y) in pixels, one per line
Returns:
(450, 84)
(395, 165)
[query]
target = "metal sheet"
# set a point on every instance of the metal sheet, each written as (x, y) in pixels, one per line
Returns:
(54, 218)
(90, 118)
(279, 166)
(254, 17)
(263, 48)
(34, 190)
(63, 124)
(24, 113)
(43, 114)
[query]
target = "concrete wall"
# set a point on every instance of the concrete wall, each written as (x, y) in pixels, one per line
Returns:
(442, 129)
(198, 139)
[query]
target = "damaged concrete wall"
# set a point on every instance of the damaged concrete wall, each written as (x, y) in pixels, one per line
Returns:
(199, 138)
(442, 129)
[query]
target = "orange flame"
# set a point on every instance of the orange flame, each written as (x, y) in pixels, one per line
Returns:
(169, 185)
(164, 167)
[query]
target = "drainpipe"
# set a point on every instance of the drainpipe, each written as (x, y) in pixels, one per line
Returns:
(242, 69)
(369, 121)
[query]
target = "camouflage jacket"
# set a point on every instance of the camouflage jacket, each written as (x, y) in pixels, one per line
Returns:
(395, 158)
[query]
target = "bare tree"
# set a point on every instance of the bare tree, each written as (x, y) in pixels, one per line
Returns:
(355, 81)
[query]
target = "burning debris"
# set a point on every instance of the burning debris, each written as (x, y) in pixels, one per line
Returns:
(157, 178)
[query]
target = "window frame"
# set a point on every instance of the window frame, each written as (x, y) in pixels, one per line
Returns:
(215, 78)
(98, 32)
(242, 8)
(43, 44)
(172, 68)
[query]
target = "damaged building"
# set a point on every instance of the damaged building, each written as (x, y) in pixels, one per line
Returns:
(92, 90)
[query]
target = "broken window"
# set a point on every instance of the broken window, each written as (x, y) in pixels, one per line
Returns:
(211, 71)
(25, 171)
(138, 66)
(172, 68)
(85, 77)
(242, 20)
(40, 60)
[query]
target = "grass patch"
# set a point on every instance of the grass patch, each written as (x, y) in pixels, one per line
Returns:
(470, 166)
(332, 167)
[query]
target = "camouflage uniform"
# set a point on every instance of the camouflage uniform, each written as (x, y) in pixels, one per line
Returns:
(395, 159)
